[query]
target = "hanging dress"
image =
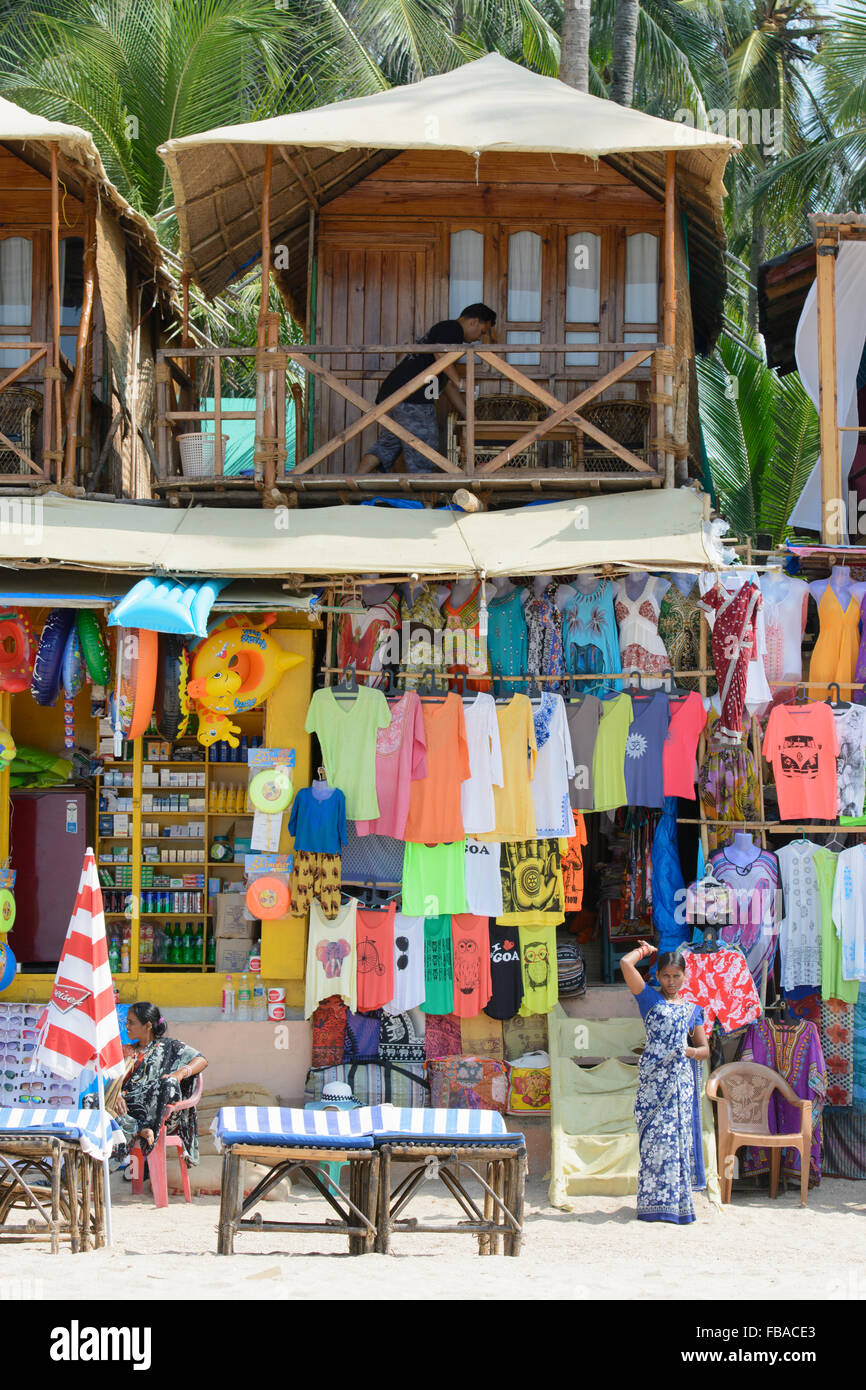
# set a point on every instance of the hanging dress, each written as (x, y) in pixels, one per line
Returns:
(471, 655)
(544, 625)
(835, 654)
(507, 641)
(424, 652)
(680, 632)
(363, 638)
(641, 648)
(734, 622)
(794, 1051)
(589, 636)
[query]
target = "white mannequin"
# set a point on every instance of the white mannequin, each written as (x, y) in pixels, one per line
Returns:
(586, 582)
(540, 583)
(684, 581)
(376, 593)
(843, 586)
(460, 592)
(413, 591)
(502, 588)
(743, 851)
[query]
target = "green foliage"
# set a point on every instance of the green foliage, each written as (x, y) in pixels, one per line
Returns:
(761, 437)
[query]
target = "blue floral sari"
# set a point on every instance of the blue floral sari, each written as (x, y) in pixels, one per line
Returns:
(667, 1112)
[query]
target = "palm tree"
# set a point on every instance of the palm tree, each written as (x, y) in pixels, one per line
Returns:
(574, 53)
(761, 437)
(624, 51)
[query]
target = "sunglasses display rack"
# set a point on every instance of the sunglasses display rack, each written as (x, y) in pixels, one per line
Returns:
(18, 1084)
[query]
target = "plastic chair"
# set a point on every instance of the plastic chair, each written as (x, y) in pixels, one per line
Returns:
(157, 1158)
(742, 1091)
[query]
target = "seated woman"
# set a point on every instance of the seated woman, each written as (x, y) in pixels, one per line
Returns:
(160, 1071)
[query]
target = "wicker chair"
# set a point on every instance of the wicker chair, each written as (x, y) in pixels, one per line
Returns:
(505, 407)
(628, 422)
(20, 409)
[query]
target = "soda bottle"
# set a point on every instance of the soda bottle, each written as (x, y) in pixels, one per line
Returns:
(245, 998)
(197, 946)
(114, 955)
(176, 943)
(125, 950)
(188, 945)
(228, 998)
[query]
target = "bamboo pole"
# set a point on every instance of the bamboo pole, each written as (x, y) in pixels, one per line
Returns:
(670, 309)
(57, 412)
(833, 527)
(83, 337)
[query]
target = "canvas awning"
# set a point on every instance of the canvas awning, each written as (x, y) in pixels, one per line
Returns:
(489, 104)
(659, 530)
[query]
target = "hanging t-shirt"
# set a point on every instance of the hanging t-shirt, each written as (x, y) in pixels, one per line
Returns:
(401, 758)
(554, 765)
(802, 745)
(539, 967)
(435, 811)
(408, 973)
(434, 879)
(438, 966)
(851, 759)
(471, 954)
(583, 721)
(374, 935)
(833, 983)
(331, 958)
(347, 728)
(608, 759)
(801, 927)
(719, 982)
(531, 873)
(506, 976)
(483, 879)
(644, 750)
(849, 911)
(572, 866)
(515, 810)
(485, 766)
(688, 719)
(318, 819)
(362, 637)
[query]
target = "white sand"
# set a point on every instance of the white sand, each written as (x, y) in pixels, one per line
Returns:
(758, 1247)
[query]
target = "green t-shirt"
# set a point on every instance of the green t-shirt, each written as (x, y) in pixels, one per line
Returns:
(539, 968)
(434, 879)
(438, 966)
(832, 984)
(608, 758)
(347, 729)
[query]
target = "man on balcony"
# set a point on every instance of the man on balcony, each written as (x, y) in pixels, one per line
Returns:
(417, 412)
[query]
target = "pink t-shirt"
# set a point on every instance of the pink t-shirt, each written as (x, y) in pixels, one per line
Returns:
(688, 718)
(401, 758)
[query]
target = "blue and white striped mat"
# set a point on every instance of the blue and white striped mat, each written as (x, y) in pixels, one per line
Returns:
(84, 1125)
(258, 1124)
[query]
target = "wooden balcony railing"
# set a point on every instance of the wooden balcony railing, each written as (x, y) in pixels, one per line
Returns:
(30, 404)
(505, 441)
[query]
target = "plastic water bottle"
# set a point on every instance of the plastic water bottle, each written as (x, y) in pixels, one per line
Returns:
(260, 1000)
(229, 998)
(245, 998)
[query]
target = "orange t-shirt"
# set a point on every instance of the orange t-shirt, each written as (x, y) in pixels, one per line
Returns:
(801, 743)
(435, 813)
(470, 953)
(572, 866)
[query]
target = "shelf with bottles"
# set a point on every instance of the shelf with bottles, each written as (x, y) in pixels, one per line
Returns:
(180, 943)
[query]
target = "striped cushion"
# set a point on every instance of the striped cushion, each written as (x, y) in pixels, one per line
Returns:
(270, 1124)
(84, 1125)
(458, 1126)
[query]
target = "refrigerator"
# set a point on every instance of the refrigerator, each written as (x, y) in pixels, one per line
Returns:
(48, 838)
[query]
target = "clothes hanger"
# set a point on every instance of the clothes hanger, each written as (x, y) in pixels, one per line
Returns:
(347, 684)
(533, 688)
(835, 702)
(801, 696)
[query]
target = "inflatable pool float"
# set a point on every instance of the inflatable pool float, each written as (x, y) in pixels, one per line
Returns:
(233, 670)
(164, 605)
(17, 651)
(7, 910)
(93, 647)
(8, 966)
(7, 748)
(172, 703)
(48, 666)
(73, 670)
(137, 655)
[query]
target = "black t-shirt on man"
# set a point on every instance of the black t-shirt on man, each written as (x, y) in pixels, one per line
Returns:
(448, 331)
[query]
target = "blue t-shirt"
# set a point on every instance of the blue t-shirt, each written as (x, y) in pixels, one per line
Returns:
(318, 819)
(644, 750)
(649, 997)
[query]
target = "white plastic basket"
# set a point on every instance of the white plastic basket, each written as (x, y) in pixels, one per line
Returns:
(198, 454)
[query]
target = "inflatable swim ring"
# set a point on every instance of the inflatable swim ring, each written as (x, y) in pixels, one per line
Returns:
(93, 646)
(7, 748)
(137, 655)
(8, 966)
(172, 706)
(233, 670)
(73, 671)
(17, 651)
(47, 668)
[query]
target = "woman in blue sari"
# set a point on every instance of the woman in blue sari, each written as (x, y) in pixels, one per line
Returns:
(667, 1107)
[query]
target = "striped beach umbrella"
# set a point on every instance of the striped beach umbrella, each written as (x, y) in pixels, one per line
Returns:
(79, 1028)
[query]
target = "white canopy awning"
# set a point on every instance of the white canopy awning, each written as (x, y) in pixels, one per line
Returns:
(657, 530)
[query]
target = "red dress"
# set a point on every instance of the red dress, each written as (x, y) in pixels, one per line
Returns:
(734, 644)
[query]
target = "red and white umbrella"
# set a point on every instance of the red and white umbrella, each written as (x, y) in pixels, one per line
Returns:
(79, 1029)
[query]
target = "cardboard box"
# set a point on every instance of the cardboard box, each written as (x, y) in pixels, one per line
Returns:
(229, 918)
(232, 955)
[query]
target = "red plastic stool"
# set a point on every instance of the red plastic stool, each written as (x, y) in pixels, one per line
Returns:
(157, 1163)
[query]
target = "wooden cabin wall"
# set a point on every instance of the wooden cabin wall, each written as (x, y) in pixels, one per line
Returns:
(384, 251)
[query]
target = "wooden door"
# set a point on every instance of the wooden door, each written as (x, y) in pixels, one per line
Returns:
(371, 291)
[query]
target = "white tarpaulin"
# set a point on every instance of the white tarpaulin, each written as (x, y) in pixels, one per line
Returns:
(646, 530)
(850, 339)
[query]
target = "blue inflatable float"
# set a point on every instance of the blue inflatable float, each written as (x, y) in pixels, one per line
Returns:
(167, 605)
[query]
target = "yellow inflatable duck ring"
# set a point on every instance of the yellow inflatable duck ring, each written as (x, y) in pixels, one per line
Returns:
(234, 669)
